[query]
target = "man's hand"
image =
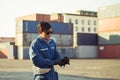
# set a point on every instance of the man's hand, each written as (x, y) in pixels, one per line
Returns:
(65, 61)
(62, 62)
(57, 62)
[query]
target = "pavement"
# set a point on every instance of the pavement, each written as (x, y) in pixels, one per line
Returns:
(79, 69)
(29, 76)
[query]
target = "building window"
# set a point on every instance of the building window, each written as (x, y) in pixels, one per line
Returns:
(76, 21)
(82, 29)
(83, 22)
(88, 29)
(70, 21)
(76, 28)
(88, 22)
(95, 30)
(94, 22)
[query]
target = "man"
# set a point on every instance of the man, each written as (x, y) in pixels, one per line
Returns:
(44, 55)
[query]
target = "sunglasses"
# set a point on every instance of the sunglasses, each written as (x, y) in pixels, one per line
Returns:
(49, 32)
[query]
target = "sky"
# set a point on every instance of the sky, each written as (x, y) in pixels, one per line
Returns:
(11, 9)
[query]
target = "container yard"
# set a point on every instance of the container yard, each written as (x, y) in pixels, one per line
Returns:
(109, 31)
(26, 32)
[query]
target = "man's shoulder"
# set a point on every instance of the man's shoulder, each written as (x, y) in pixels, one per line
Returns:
(35, 41)
(52, 41)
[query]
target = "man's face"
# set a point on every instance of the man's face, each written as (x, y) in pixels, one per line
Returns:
(46, 34)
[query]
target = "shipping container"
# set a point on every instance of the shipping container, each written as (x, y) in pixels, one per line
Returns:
(31, 27)
(63, 39)
(109, 11)
(7, 39)
(23, 52)
(56, 17)
(67, 40)
(57, 38)
(8, 50)
(42, 17)
(109, 38)
(35, 17)
(66, 51)
(12, 49)
(86, 51)
(87, 39)
(62, 28)
(19, 39)
(3, 53)
(109, 24)
(19, 26)
(24, 26)
(109, 51)
(28, 38)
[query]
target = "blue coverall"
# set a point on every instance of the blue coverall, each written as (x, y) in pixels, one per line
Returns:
(42, 55)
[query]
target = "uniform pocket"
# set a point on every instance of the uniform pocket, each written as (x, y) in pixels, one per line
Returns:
(53, 49)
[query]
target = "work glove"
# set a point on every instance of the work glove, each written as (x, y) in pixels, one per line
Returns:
(62, 62)
(65, 61)
(58, 62)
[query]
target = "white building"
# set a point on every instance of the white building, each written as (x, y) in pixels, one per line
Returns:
(83, 22)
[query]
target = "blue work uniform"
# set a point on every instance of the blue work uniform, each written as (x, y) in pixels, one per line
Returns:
(42, 55)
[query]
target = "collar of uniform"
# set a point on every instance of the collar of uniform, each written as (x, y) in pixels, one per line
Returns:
(44, 40)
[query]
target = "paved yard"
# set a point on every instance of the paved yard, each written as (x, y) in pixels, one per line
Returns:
(79, 69)
(28, 76)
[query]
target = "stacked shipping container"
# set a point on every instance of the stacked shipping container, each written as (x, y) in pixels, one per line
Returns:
(109, 31)
(87, 45)
(35, 17)
(8, 50)
(22, 32)
(27, 32)
(64, 35)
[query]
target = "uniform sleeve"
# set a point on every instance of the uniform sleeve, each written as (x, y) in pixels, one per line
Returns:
(57, 54)
(37, 58)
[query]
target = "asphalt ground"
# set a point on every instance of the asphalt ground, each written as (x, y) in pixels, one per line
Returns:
(79, 69)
